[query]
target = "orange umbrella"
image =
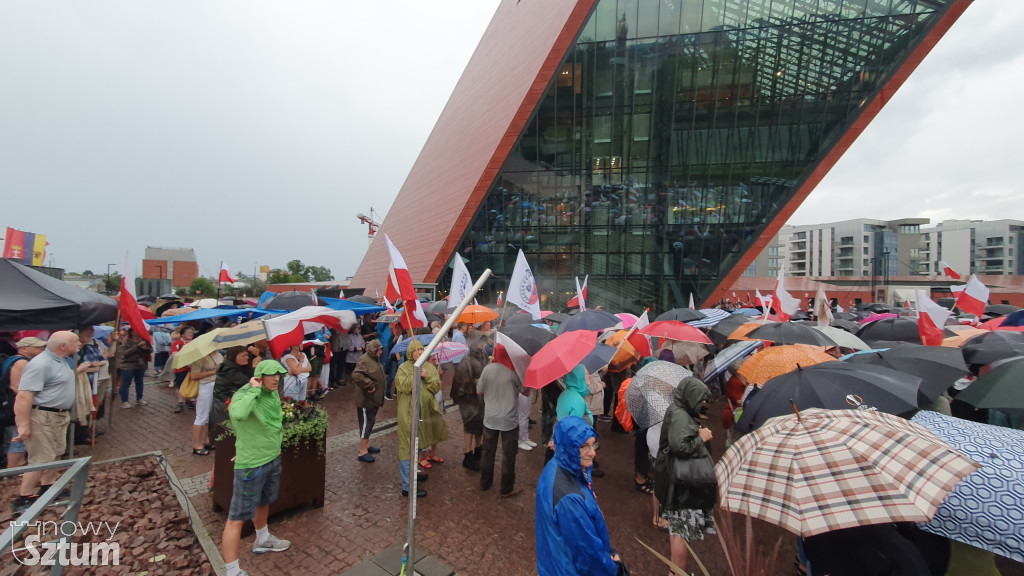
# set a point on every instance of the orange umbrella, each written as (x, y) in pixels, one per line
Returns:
(962, 335)
(778, 360)
(626, 355)
(475, 313)
(744, 329)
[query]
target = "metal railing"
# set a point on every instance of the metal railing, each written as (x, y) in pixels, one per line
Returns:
(76, 475)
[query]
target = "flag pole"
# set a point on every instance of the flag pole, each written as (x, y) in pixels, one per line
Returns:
(219, 281)
(501, 321)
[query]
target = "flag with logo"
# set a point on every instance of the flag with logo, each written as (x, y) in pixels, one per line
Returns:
(522, 289)
(462, 283)
(930, 320)
(26, 248)
(225, 274)
(973, 297)
(128, 305)
(785, 304)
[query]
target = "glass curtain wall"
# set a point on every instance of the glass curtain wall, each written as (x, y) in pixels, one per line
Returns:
(673, 133)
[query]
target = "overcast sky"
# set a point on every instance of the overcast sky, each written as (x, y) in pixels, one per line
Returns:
(255, 131)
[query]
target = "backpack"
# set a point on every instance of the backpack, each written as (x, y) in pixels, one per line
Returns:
(6, 394)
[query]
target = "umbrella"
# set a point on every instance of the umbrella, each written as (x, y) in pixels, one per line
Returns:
(627, 319)
(842, 338)
(31, 300)
(721, 362)
(1000, 309)
(847, 325)
(452, 352)
(879, 307)
(146, 313)
(558, 357)
(674, 330)
(362, 299)
(681, 314)
(789, 333)
(171, 296)
(626, 356)
(599, 358)
(939, 367)
(719, 333)
(777, 360)
(402, 346)
(747, 312)
(146, 300)
(1014, 319)
(557, 317)
(825, 470)
(712, 316)
(530, 338)
(985, 510)
(166, 306)
(989, 351)
(963, 334)
(1001, 387)
(989, 337)
(289, 301)
(475, 313)
(799, 316)
(834, 386)
(741, 332)
(686, 353)
(892, 329)
(589, 320)
(206, 303)
(650, 393)
(244, 333)
(441, 307)
(875, 317)
(200, 347)
(519, 320)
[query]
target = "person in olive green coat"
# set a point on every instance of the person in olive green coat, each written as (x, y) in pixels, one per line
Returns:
(370, 382)
(432, 429)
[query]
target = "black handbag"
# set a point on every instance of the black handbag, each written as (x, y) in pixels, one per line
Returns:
(693, 481)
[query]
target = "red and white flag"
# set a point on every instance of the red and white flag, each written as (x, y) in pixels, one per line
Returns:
(822, 307)
(580, 300)
(518, 357)
(399, 281)
(225, 275)
(498, 305)
(286, 331)
(412, 315)
(691, 306)
(785, 304)
(763, 302)
(948, 270)
(641, 342)
(128, 305)
(973, 297)
(930, 320)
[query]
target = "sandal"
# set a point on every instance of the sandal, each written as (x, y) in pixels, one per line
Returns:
(424, 463)
(644, 487)
(200, 452)
(436, 458)
(209, 447)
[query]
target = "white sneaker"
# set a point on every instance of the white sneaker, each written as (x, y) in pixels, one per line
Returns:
(531, 443)
(126, 404)
(271, 544)
(525, 446)
(142, 403)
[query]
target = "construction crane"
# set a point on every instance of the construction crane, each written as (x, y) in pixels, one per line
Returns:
(371, 222)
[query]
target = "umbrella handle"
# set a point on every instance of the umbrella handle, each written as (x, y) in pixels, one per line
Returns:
(795, 411)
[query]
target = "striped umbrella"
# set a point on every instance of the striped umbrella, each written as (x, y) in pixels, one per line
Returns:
(245, 333)
(452, 352)
(712, 316)
(825, 470)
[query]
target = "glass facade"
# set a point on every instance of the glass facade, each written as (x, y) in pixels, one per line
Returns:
(673, 133)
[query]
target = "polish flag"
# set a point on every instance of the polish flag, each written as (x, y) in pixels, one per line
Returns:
(225, 275)
(518, 357)
(948, 270)
(641, 342)
(498, 305)
(286, 331)
(973, 297)
(930, 319)
(413, 316)
(128, 306)
(786, 304)
(399, 281)
(580, 299)
(692, 307)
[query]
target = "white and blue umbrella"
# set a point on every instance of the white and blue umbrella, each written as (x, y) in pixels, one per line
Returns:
(985, 509)
(721, 362)
(402, 346)
(711, 317)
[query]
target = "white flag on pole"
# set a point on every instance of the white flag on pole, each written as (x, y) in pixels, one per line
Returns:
(822, 309)
(462, 282)
(522, 288)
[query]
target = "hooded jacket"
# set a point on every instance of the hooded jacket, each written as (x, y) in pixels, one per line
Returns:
(680, 438)
(572, 538)
(432, 429)
(369, 377)
(571, 401)
(230, 379)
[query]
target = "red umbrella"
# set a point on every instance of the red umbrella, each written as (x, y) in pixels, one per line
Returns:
(147, 314)
(997, 324)
(556, 358)
(675, 330)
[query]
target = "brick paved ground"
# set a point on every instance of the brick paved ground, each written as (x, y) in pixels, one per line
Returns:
(472, 531)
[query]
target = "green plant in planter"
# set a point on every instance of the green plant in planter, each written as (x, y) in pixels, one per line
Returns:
(303, 423)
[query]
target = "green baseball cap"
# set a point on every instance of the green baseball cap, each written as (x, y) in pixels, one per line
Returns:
(268, 367)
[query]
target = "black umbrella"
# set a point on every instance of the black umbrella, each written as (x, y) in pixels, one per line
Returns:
(169, 297)
(848, 325)
(799, 316)
(165, 307)
(290, 301)
(845, 316)
(681, 314)
(599, 357)
(1001, 388)
(788, 333)
(991, 351)
(31, 300)
(1000, 309)
(520, 320)
(361, 298)
(894, 329)
(557, 317)
(877, 307)
(146, 300)
(530, 338)
(719, 333)
(833, 386)
(996, 336)
(938, 366)
(589, 320)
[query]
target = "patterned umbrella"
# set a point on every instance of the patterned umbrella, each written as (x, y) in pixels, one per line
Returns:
(827, 470)
(720, 363)
(244, 333)
(650, 393)
(985, 510)
(712, 316)
(452, 352)
(778, 360)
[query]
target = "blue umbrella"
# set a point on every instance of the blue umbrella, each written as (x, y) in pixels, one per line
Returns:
(712, 316)
(985, 509)
(402, 346)
(720, 363)
(1014, 319)
(748, 312)
(599, 357)
(589, 320)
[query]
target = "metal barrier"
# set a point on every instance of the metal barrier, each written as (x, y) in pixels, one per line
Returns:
(76, 475)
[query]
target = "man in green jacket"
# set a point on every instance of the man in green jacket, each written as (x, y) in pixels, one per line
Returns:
(256, 418)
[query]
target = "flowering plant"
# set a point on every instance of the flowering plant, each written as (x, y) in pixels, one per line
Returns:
(303, 423)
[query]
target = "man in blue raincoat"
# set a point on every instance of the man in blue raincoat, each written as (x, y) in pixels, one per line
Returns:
(572, 538)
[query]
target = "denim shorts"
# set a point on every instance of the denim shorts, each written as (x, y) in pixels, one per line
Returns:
(10, 433)
(254, 487)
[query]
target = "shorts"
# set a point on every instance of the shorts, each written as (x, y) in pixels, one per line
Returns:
(254, 487)
(179, 378)
(688, 524)
(48, 440)
(367, 418)
(10, 446)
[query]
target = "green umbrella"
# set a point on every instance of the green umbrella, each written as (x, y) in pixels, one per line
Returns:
(1001, 388)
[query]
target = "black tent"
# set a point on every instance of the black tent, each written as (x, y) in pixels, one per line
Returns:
(31, 300)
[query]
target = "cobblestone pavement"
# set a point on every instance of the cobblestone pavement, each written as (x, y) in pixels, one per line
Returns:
(472, 531)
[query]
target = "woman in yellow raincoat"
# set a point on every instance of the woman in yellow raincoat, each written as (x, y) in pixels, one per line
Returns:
(432, 429)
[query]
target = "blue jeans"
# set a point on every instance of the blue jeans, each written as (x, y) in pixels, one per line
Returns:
(126, 381)
(403, 467)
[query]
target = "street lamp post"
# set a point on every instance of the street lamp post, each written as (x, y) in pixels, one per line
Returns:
(108, 277)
